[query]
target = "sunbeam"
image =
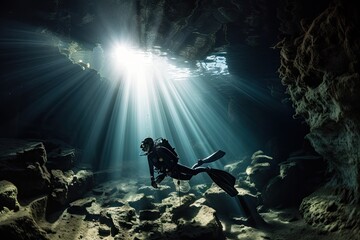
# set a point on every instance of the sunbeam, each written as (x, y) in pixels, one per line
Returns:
(118, 95)
(151, 102)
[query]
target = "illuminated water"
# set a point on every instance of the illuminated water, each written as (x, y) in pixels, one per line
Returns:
(106, 99)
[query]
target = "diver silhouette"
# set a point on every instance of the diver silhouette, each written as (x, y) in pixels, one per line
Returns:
(163, 158)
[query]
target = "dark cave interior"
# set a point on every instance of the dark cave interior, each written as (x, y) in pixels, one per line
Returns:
(283, 108)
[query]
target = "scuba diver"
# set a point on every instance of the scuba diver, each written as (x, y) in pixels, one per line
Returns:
(163, 158)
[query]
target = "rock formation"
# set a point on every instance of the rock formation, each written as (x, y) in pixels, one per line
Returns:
(319, 66)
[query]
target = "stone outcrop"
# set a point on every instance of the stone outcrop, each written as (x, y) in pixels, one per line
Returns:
(23, 163)
(261, 169)
(24, 223)
(320, 68)
(328, 212)
(279, 185)
(60, 155)
(23, 166)
(298, 177)
(69, 186)
(135, 215)
(8, 196)
(21, 227)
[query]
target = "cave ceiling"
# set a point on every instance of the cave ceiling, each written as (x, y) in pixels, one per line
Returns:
(189, 29)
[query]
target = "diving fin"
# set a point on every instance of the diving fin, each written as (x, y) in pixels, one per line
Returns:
(224, 180)
(211, 158)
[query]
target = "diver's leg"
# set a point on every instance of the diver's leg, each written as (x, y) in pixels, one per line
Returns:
(160, 177)
(190, 171)
(181, 176)
(178, 174)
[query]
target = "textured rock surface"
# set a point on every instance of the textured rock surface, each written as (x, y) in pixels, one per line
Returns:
(24, 224)
(69, 186)
(60, 155)
(320, 68)
(327, 212)
(8, 196)
(23, 163)
(298, 177)
(109, 216)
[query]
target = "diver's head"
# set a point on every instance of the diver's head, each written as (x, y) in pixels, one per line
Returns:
(147, 144)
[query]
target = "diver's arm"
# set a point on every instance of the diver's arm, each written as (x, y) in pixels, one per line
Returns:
(151, 169)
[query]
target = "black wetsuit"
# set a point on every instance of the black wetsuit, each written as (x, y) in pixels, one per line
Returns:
(165, 162)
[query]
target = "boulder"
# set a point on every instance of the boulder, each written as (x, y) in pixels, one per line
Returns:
(261, 170)
(60, 155)
(118, 218)
(160, 193)
(204, 225)
(8, 196)
(23, 224)
(21, 227)
(299, 176)
(140, 201)
(260, 174)
(79, 206)
(238, 167)
(325, 211)
(22, 162)
(153, 214)
(68, 186)
(226, 205)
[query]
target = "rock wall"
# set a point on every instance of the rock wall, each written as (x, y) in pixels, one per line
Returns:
(320, 68)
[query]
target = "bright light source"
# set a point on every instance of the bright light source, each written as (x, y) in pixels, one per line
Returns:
(129, 63)
(130, 60)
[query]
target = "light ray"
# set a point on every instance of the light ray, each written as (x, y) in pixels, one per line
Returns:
(138, 96)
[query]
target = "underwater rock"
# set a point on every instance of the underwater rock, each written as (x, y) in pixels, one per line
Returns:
(141, 201)
(160, 193)
(189, 220)
(104, 230)
(38, 208)
(149, 214)
(260, 174)
(324, 210)
(79, 206)
(183, 208)
(59, 155)
(69, 186)
(320, 68)
(238, 167)
(205, 225)
(23, 224)
(299, 176)
(231, 206)
(8, 196)
(118, 218)
(22, 162)
(113, 202)
(261, 170)
(226, 14)
(260, 157)
(276, 195)
(93, 212)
